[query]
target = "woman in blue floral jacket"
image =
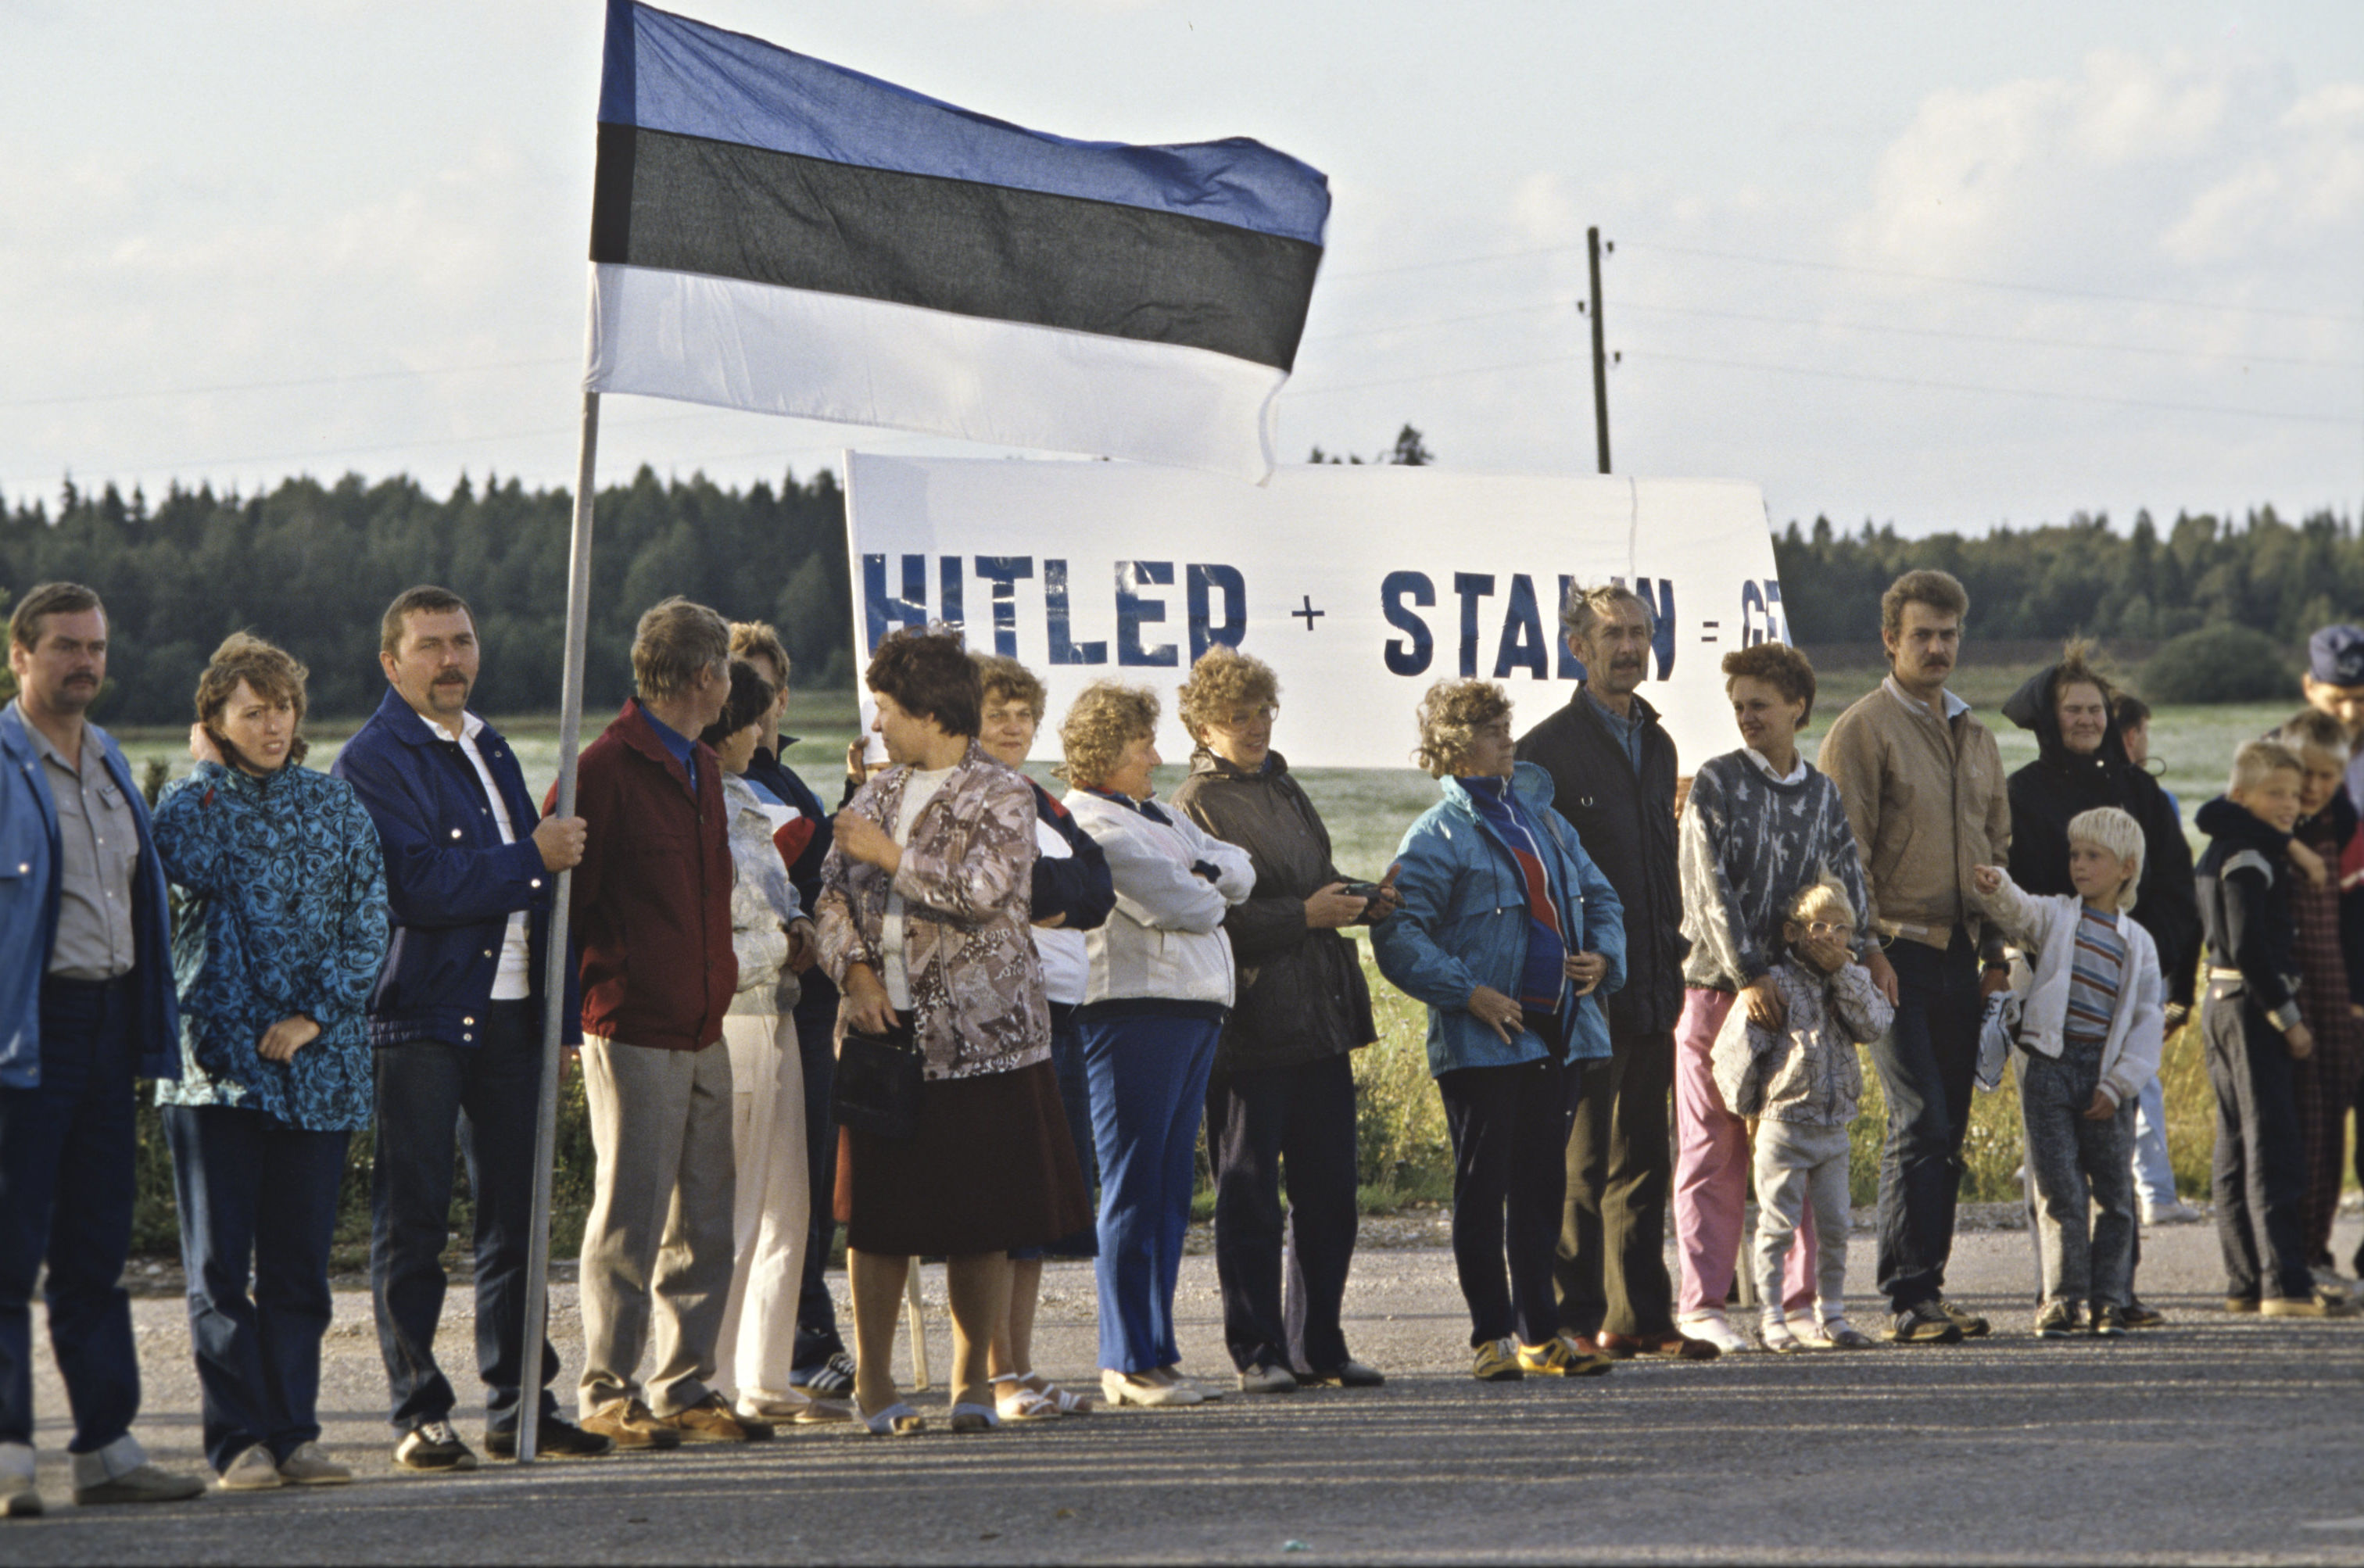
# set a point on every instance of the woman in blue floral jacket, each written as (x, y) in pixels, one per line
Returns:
(280, 925)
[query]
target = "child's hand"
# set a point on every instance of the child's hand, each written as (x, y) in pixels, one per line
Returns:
(1988, 880)
(1828, 954)
(2105, 1106)
(2310, 862)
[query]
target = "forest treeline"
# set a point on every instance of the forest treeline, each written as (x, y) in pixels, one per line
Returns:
(312, 565)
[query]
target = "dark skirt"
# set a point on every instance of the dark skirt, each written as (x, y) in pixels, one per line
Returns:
(991, 1168)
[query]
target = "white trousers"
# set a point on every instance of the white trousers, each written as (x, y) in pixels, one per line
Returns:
(756, 1348)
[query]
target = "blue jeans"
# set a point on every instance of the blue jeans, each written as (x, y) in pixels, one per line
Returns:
(485, 1099)
(2153, 1176)
(65, 1197)
(1926, 1061)
(1148, 1075)
(258, 1205)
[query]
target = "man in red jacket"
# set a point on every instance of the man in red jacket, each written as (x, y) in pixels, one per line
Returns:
(652, 909)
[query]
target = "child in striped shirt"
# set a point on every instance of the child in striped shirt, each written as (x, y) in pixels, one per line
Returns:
(2092, 1025)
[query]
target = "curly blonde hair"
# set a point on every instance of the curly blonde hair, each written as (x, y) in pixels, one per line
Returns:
(269, 671)
(1108, 715)
(1450, 715)
(1224, 682)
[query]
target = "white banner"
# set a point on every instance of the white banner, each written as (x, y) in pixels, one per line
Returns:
(1359, 586)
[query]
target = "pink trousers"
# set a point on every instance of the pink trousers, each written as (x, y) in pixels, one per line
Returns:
(1711, 1164)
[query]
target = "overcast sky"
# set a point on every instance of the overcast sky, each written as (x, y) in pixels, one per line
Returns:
(1949, 265)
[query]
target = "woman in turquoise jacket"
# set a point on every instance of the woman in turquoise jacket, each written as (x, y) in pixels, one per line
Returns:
(1512, 937)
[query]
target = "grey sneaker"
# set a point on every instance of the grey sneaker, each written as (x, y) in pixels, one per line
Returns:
(1267, 1380)
(146, 1484)
(310, 1465)
(19, 1498)
(253, 1471)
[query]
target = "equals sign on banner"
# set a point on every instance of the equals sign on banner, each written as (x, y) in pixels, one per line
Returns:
(1707, 630)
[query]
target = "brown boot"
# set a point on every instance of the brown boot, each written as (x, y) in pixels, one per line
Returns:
(628, 1423)
(711, 1421)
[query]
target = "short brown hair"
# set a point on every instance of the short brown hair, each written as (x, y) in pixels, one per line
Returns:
(756, 640)
(1221, 683)
(1449, 717)
(750, 700)
(1108, 715)
(2311, 728)
(676, 643)
(427, 599)
(1582, 609)
(44, 600)
(1941, 591)
(271, 672)
(928, 676)
(1779, 666)
(998, 675)
(2128, 710)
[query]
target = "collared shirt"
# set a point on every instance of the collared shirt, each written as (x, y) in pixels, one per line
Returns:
(513, 980)
(684, 748)
(1954, 706)
(1796, 773)
(1626, 726)
(98, 845)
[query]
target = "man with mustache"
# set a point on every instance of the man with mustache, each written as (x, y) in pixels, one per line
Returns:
(87, 1004)
(1612, 768)
(457, 1023)
(1924, 791)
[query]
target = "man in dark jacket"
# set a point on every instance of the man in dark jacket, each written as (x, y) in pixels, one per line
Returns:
(651, 904)
(1282, 1093)
(1612, 768)
(2081, 763)
(457, 1023)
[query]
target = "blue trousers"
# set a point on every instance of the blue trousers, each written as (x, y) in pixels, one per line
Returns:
(1926, 1061)
(485, 1099)
(1148, 1075)
(257, 1206)
(65, 1198)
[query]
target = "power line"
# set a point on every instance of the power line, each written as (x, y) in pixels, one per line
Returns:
(1434, 375)
(2343, 421)
(274, 386)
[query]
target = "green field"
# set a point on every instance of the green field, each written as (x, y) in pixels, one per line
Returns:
(1405, 1154)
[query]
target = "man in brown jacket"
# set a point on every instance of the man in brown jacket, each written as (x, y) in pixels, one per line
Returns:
(1925, 792)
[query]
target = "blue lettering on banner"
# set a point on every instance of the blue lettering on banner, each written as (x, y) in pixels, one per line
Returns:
(1523, 645)
(1004, 572)
(1571, 668)
(1662, 622)
(1472, 586)
(880, 611)
(1055, 623)
(1761, 614)
(1203, 580)
(1132, 612)
(1408, 657)
(950, 601)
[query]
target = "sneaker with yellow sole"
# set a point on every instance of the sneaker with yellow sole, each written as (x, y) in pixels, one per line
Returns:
(1560, 1358)
(1497, 1361)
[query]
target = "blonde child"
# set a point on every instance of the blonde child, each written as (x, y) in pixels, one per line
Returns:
(2092, 1020)
(1802, 1083)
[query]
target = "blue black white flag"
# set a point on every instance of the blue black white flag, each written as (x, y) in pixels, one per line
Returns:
(775, 233)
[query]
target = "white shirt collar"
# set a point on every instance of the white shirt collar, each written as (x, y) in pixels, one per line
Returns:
(1796, 774)
(470, 726)
(1954, 706)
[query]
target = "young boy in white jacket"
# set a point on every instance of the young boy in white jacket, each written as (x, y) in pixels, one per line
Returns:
(2092, 1025)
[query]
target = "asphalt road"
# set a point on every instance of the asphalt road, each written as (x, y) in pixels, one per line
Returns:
(2214, 1439)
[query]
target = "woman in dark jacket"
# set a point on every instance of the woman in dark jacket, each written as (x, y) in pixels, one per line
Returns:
(1283, 1089)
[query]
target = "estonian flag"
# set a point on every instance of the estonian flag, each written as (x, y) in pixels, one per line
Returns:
(775, 233)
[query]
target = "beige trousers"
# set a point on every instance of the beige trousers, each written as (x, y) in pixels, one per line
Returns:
(756, 1351)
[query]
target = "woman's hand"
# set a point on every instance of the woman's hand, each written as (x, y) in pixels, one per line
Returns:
(1496, 1011)
(2308, 861)
(283, 1039)
(1763, 999)
(202, 750)
(1587, 968)
(804, 945)
(865, 840)
(1332, 906)
(2300, 1040)
(1389, 900)
(864, 1006)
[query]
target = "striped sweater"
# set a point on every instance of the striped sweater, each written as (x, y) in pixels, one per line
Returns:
(1748, 843)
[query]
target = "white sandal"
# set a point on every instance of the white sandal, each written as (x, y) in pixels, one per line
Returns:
(1013, 1401)
(1068, 1404)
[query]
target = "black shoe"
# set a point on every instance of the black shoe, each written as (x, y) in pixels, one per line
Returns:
(1972, 1326)
(2138, 1316)
(556, 1439)
(1348, 1373)
(433, 1445)
(832, 1379)
(2108, 1320)
(1924, 1323)
(2057, 1321)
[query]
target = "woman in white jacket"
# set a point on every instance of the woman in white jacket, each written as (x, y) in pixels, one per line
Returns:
(1160, 984)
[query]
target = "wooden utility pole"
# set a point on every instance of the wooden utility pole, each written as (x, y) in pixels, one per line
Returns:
(1599, 356)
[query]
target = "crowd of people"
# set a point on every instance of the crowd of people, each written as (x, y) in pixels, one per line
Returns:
(965, 1017)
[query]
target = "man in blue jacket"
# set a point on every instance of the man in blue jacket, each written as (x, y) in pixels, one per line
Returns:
(87, 1004)
(457, 1021)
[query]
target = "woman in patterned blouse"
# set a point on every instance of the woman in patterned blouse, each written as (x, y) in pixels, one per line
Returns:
(280, 925)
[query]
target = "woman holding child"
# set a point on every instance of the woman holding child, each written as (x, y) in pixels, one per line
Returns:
(1761, 826)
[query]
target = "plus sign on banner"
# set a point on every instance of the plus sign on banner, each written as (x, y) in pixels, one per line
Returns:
(1360, 586)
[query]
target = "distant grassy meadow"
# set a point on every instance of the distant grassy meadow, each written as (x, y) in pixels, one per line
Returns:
(1406, 1156)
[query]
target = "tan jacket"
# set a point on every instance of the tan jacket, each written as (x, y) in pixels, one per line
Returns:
(1928, 803)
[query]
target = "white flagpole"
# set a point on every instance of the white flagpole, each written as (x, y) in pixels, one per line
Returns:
(553, 972)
